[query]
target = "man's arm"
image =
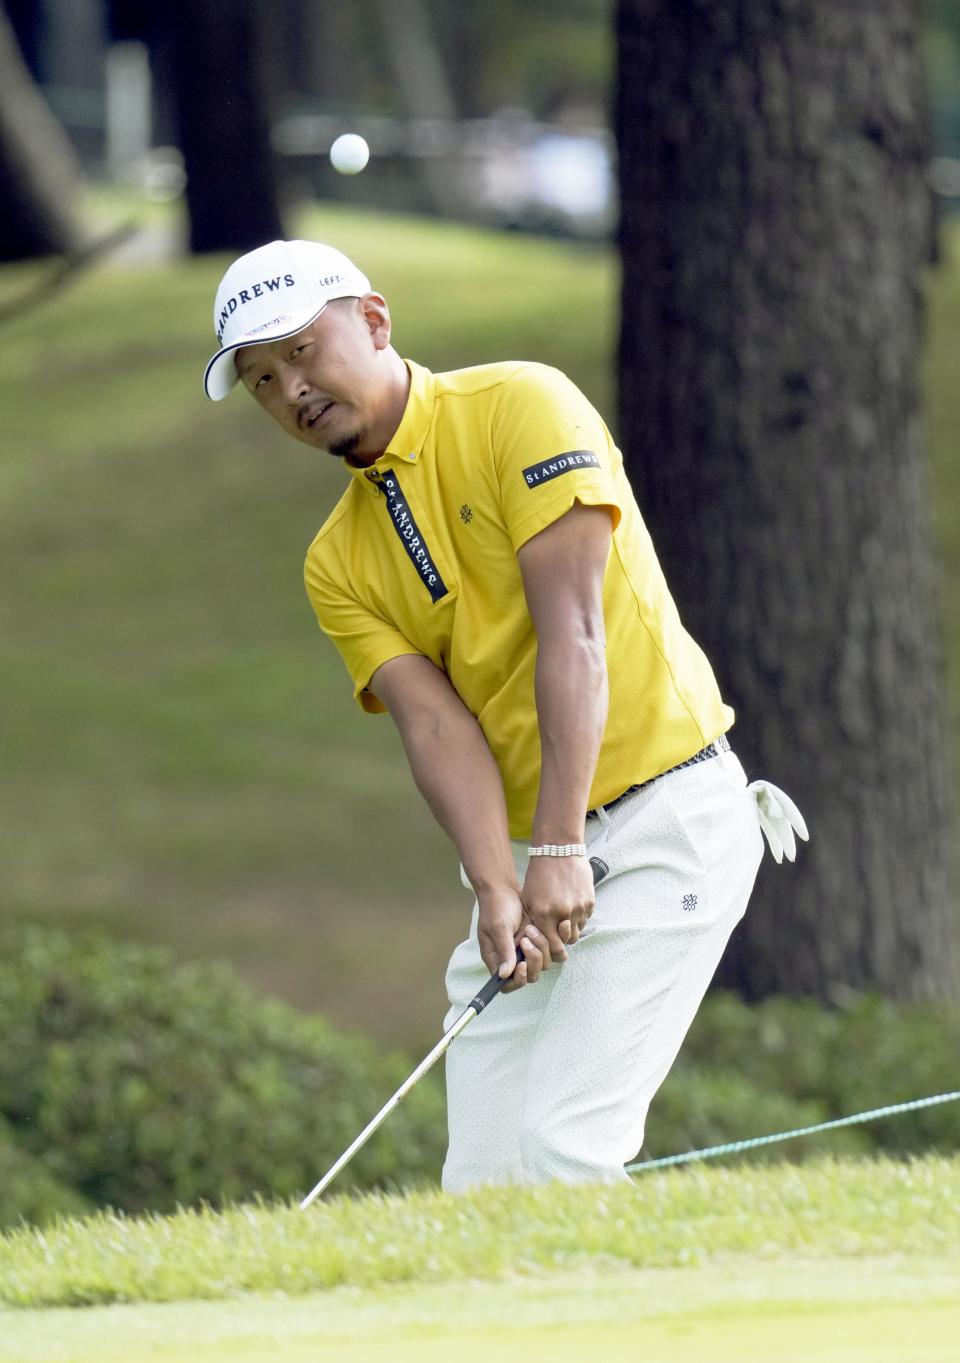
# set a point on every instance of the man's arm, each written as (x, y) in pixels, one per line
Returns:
(563, 569)
(457, 775)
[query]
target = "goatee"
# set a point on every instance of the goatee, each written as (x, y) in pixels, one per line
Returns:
(346, 445)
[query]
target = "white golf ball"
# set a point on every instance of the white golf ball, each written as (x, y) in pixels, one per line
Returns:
(349, 154)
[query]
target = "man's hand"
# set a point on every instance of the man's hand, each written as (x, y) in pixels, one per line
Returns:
(500, 930)
(558, 897)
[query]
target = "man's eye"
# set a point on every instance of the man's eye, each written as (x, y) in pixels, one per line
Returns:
(297, 349)
(264, 378)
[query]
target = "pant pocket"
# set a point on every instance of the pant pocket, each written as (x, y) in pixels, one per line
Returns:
(696, 800)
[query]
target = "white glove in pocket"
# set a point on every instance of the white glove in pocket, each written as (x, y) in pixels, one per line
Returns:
(779, 819)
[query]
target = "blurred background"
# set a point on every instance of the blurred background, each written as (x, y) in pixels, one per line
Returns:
(735, 230)
(496, 113)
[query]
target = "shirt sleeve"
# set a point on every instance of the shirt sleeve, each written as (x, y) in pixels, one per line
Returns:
(364, 640)
(551, 449)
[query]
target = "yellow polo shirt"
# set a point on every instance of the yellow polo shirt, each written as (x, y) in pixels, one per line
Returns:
(420, 556)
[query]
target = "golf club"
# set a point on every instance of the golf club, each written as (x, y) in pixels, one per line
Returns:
(477, 1004)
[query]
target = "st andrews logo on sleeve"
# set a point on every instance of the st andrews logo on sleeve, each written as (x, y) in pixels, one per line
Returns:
(560, 463)
(410, 537)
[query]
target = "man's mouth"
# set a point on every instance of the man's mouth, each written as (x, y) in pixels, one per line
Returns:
(312, 416)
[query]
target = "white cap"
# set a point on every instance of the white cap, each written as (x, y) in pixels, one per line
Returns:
(272, 292)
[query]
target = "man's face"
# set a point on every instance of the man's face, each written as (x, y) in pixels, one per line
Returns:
(328, 384)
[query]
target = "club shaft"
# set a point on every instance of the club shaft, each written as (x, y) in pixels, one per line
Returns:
(427, 1063)
(486, 995)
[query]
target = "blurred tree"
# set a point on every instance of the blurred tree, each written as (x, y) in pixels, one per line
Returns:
(424, 88)
(323, 52)
(29, 20)
(37, 166)
(775, 212)
(535, 57)
(219, 54)
(498, 54)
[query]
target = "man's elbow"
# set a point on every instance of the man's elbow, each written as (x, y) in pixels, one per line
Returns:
(581, 638)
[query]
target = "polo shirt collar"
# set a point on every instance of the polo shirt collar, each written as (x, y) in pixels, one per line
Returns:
(407, 442)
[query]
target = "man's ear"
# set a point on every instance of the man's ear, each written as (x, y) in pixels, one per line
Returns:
(376, 316)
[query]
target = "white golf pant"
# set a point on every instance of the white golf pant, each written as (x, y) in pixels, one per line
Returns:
(554, 1081)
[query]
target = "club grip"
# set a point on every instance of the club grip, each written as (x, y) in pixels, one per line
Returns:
(491, 989)
(496, 982)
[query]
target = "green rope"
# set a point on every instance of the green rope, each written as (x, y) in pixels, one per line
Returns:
(735, 1147)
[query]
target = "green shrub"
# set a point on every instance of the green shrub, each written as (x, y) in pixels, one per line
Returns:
(144, 1083)
(828, 1062)
(885, 1054)
(28, 1191)
(697, 1108)
(133, 1081)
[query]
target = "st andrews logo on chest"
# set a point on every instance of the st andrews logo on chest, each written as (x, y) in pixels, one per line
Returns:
(560, 463)
(410, 537)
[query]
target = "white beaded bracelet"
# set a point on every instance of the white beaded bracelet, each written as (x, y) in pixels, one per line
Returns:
(561, 849)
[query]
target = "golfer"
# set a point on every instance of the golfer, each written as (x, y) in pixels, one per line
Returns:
(488, 580)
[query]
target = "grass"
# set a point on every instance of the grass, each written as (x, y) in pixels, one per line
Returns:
(843, 1261)
(182, 759)
(667, 1220)
(872, 1310)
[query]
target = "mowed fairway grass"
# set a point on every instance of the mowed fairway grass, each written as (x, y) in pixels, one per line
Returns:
(841, 1261)
(868, 1311)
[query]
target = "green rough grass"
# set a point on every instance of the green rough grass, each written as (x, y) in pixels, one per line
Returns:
(675, 1219)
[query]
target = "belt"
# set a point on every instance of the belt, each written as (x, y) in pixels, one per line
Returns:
(713, 749)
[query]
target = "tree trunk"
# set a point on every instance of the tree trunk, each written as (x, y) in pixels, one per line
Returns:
(774, 226)
(224, 130)
(424, 91)
(28, 20)
(37, 166)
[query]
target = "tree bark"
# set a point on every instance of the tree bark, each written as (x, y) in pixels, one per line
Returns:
(37, 166)
(232, 194)
(775, 219)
